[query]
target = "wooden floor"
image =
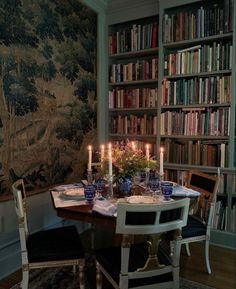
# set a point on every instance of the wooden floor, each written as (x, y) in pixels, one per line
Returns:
(223, 263)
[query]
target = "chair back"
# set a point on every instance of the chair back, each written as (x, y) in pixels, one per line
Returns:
(151, 218)
(141, 261)
(208, 186)
(18, 190)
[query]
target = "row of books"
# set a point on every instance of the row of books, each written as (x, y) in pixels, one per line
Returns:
(139, 70)
(134, 38)
(201, 58)
(199, 121)
(208, 90)
(133, 124)
(193, 23)
(201, 153)
(221, 216)
(133, 98)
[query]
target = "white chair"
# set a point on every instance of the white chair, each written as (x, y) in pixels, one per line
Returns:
(138, 265)
(199, 224)
(50, 248)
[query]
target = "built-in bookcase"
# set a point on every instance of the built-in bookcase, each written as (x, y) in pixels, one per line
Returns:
(197, 97)
(133, 81)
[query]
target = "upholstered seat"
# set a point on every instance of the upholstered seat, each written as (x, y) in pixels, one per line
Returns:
(110, 258)
(54, 244)
(49, 248)
(194, 227)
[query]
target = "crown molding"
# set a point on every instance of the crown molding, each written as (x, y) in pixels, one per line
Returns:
(114, 6)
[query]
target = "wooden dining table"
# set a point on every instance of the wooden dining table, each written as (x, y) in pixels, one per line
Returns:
(84, 213)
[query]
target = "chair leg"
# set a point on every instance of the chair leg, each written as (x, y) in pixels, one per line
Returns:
(187, 249)
(81, 277)
(98, 277)
(176, 277)
(25, 279)
(207, 243)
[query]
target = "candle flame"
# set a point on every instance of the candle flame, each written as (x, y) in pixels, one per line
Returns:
(162, 149)
(89, 147)
(147, 146)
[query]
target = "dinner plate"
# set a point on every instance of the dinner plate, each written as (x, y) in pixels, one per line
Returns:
(73, 194)
(142, 200)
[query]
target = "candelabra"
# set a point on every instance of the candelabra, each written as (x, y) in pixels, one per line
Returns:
(89, 177)
(147, 176)
(110, 192)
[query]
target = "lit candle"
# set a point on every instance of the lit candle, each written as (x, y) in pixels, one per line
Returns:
(89, 158)
(109, 163)
(147, 153)
(133, 146)
(161, 161)
(102, 153)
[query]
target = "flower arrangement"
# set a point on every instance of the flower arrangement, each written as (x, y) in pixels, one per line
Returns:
(127, 161)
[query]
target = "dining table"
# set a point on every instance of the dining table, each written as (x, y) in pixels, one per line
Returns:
(81, 210)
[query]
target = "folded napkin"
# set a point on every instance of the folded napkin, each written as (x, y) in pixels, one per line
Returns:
(180, 191)
(104, 207)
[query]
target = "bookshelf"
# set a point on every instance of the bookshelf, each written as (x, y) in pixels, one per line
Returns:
(196, 107)
(133, 81)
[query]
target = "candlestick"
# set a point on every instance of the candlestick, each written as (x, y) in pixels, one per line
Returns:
(89, 158)
(161, 161)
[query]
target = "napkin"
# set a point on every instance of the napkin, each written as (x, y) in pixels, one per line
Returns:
(104, 207)
(180, 191)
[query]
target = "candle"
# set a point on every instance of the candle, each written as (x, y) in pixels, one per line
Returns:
(133, 146)
(102, 153)
(147, 153)
(89, 158)
(109, 163)
(161, 162)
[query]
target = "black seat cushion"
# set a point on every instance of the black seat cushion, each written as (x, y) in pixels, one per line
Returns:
(194, 227)
(110, 259)
(55, 244)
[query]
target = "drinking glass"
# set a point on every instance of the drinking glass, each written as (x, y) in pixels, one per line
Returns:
(166, 189)
(89, 193)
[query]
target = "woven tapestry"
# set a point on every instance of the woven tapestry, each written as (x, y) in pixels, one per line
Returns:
(47, 91)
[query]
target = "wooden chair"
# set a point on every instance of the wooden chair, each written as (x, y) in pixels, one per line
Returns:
(199, 224)
(50, 248)
(138, 265)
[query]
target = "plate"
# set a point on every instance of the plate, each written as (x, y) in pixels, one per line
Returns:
(73, 194)
(63, 188)
(173, 183)
(142, 200)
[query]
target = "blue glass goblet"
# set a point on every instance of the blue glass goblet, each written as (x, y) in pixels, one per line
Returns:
(166, 189)
(100, 185)
(89, 193)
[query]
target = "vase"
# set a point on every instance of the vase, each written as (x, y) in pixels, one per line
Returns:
(124, 185)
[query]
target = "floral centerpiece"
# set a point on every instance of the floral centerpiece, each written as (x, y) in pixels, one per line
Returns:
(128, 161)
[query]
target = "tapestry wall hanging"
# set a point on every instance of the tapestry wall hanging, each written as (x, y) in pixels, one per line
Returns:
(48, 96)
